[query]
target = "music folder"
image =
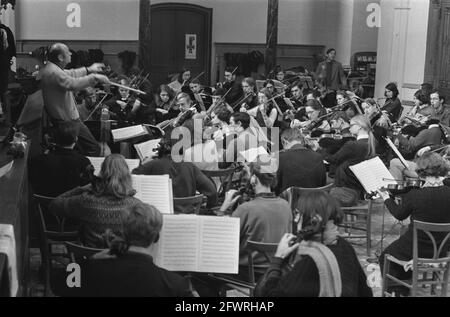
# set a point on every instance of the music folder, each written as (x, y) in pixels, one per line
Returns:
(98, 161)
(372, 174)
(128, 133)
(154, 190)
(147, 149)
(193, 243)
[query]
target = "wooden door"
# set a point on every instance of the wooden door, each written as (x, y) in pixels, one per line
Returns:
(181, 37)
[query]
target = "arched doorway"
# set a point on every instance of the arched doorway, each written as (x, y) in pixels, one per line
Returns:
(180, 37)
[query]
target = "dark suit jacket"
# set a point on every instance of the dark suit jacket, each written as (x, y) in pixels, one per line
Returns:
(57, 172)
(300, 167)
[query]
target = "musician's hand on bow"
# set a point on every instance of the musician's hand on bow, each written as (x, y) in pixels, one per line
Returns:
(96, 68)
(423, 150)
(102, 79)
(286, 246)
(383, 193)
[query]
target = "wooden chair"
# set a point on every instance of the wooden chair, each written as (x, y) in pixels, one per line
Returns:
(432, 271)
(52, 234)
(358, 219)
(247, 287)
(226, 179)
(292, 196)
(77, 251)
(188, 205)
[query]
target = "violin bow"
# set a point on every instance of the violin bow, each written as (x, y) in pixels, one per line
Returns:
(96, 107)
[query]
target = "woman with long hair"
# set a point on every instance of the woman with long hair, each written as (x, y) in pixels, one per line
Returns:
(100, 205)
(183, 78)
(392, 106)
(347, 188)
(317, 262)
(165, 105)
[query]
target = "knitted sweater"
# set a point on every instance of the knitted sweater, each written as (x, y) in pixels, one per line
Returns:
(94, 213)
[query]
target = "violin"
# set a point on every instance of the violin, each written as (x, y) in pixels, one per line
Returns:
(404, 186)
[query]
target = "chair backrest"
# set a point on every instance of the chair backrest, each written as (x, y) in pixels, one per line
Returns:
(225, 176)
(266, 249)
(430, 228)
(78, 251)
(438, 265)
(51, 226)
(188, 205)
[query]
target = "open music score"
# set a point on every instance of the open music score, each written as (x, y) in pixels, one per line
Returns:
(147, 149)
(154, 190)
(252, 154)
(128, 132)
(98, 161)
(372, 174)
(196, 243)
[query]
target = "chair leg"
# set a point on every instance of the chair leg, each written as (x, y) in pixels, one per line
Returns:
(384, 284)
(368, 233)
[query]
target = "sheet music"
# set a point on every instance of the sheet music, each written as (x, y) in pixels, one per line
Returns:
(219, 237)
(128, 132)
(6, 168)
(147, 149)
(199, 244)
(371, 174)
(98, 161)
(252, 154)
(178, 245)
(155, 190)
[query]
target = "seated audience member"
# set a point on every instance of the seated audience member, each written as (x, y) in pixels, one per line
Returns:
(347, 188)
(263, 219)
(187, 178)
(128, 268)
(100, 205)
(429, 204)
(324, 264)
(298, 165)
(409, 146)
(60, 170)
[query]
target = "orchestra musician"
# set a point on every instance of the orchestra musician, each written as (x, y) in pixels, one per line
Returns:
(230, 82)
(316, 120)
(429, 204)
(183, 79)
(166, 108)
(120, 106)
(265, 113)
(442, 111)
(392, 106)
(250, 99)
(348, 189)
(201, 95)
(422, 107)
(380, 124)
(408, 147)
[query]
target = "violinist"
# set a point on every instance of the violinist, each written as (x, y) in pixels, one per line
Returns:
(187, 109)
(392, 106)
(201, 96)
(88, 104)
(250, 99)
(316, 119)
(218, 101)
(442, 110)
(220, 118)
(230, 82)
(265, 113)
(120, 107)
(380, 124)
(348, 190)
(408, 147)
(165, 104)
(429, 204)
(347, 104)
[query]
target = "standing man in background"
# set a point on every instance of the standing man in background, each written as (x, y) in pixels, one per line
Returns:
(58, 85)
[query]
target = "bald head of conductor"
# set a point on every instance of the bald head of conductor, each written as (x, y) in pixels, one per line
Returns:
(60, 55)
